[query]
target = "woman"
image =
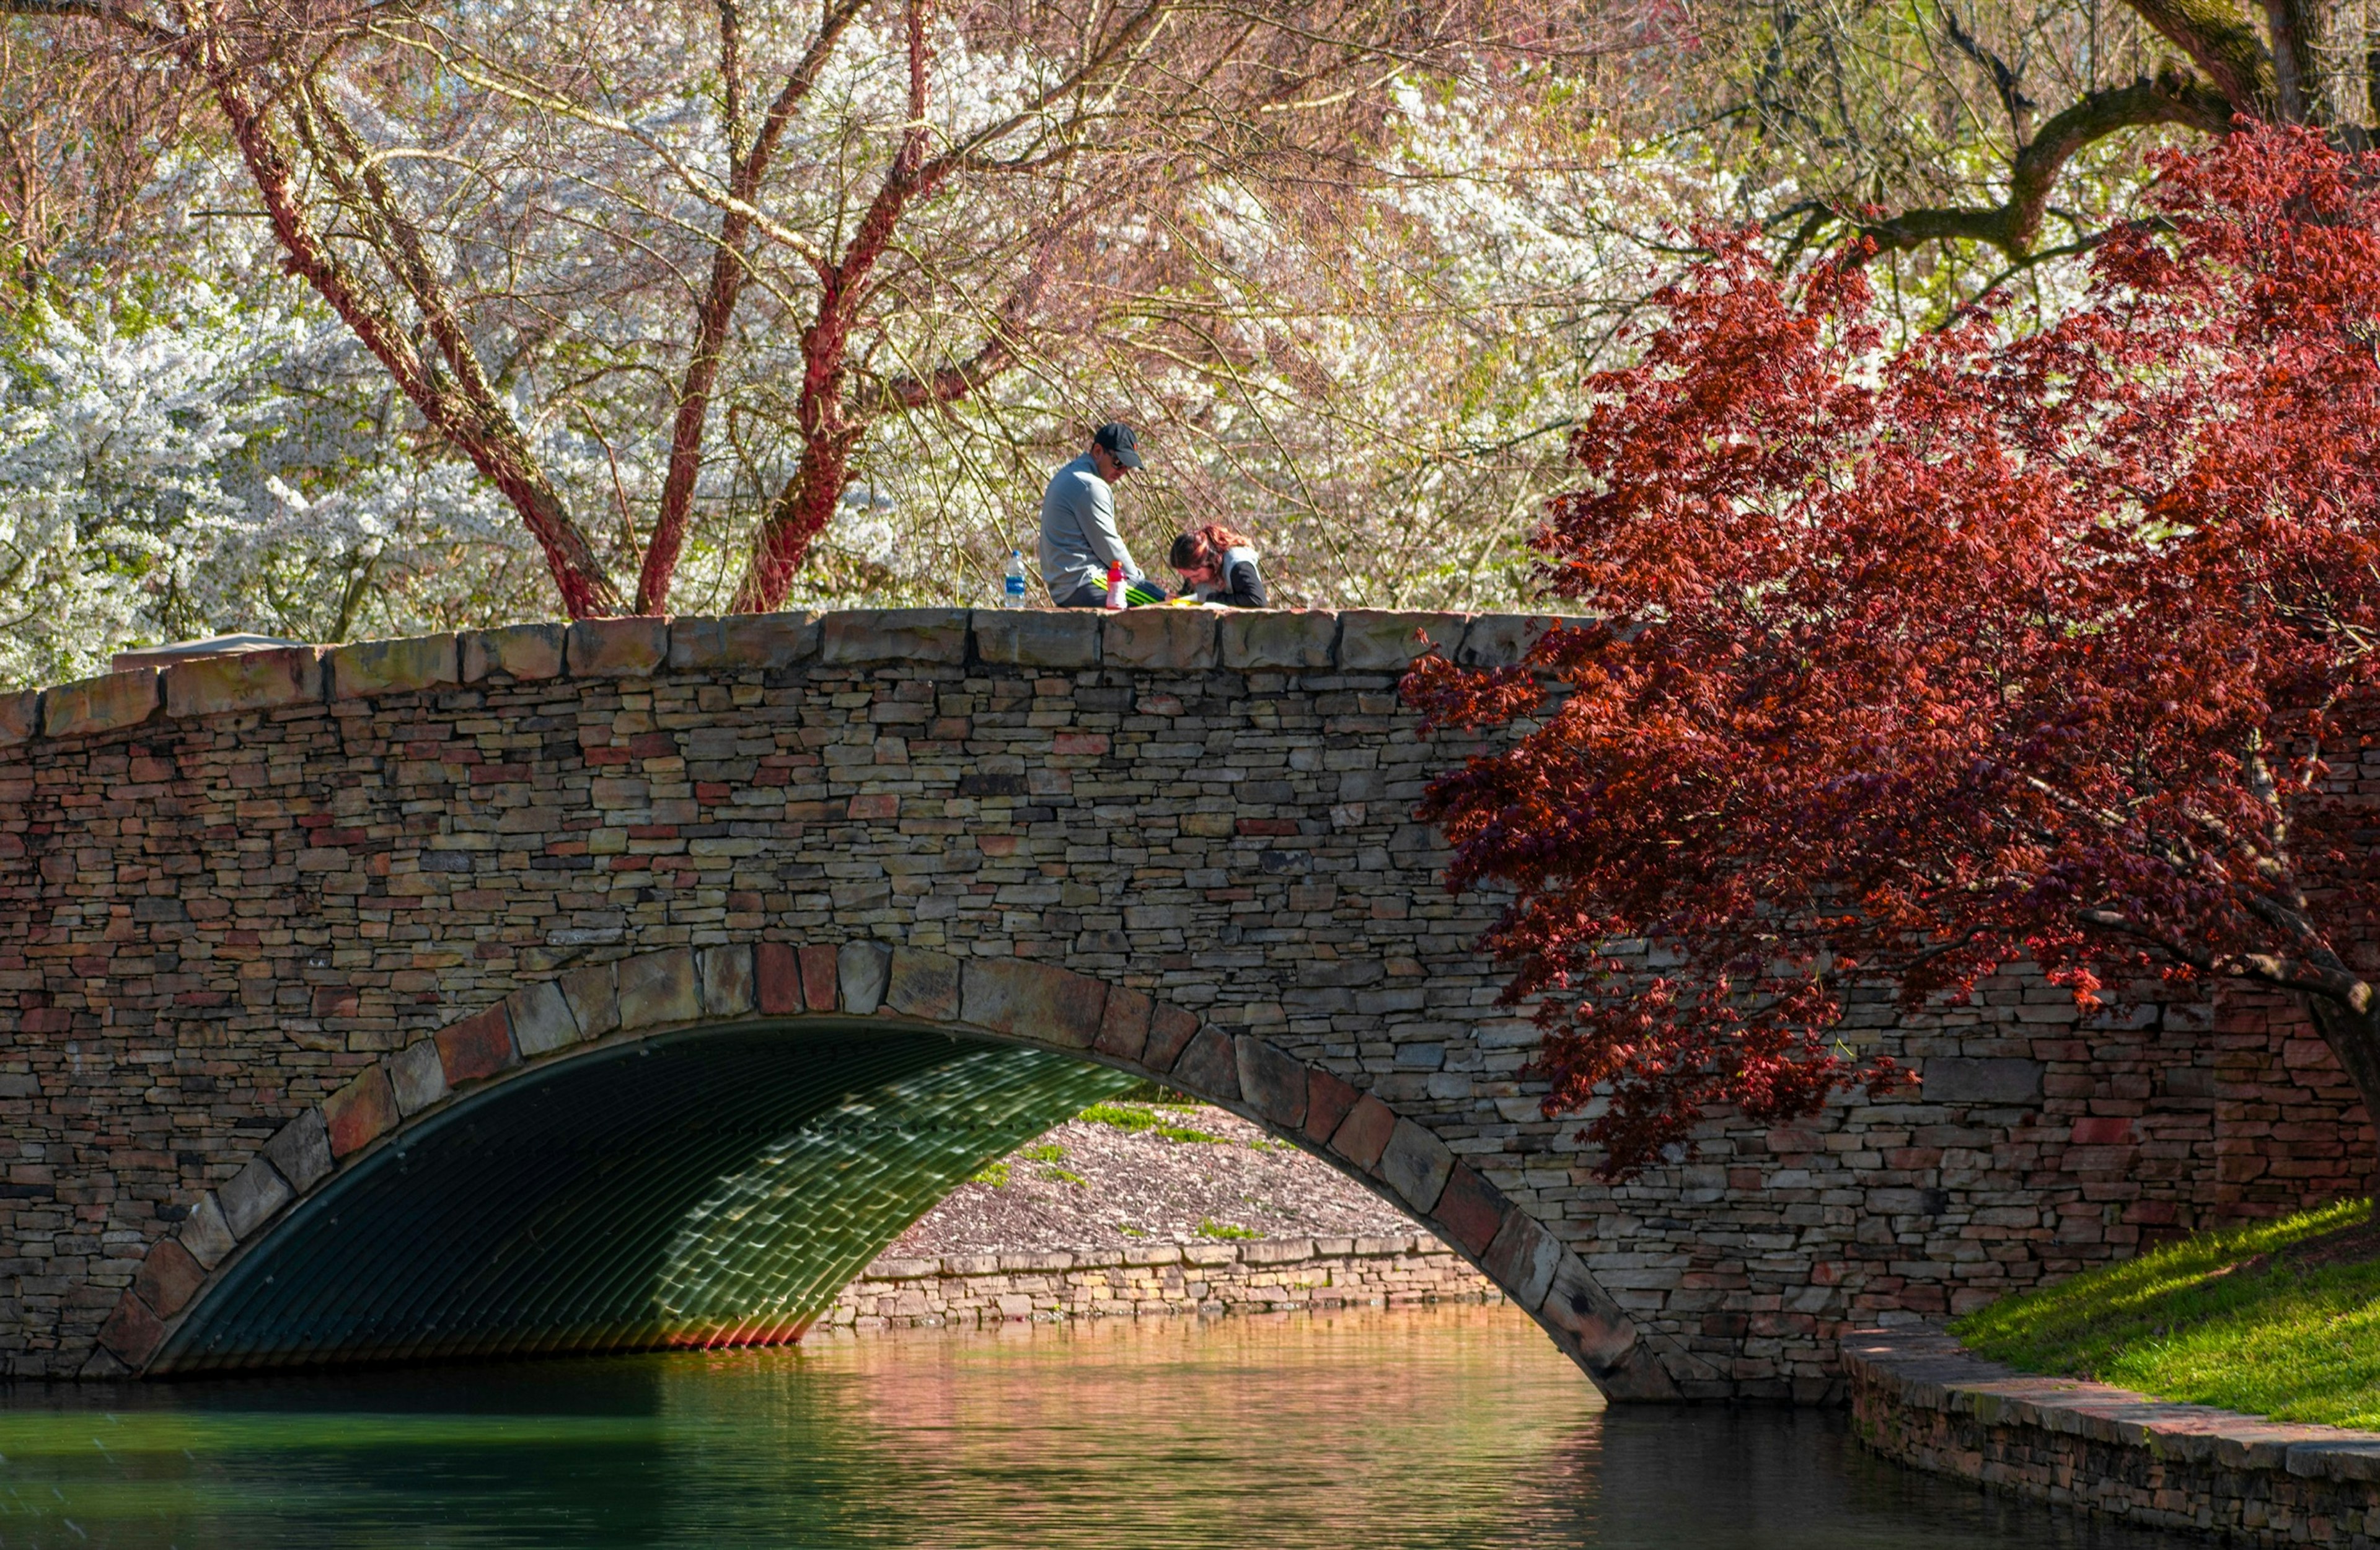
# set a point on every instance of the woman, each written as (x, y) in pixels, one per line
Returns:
(1219, 567)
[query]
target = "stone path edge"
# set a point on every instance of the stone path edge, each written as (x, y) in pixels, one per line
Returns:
(1353, 640)
(673, 989)
(1922, 1399)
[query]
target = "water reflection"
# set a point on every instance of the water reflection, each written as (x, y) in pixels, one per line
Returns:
(1456, 1427)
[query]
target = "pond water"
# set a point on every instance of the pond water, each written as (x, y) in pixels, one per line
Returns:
(1451, 1426)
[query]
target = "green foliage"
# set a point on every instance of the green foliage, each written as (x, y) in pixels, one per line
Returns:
(1210, 1228)
(1044, 1152)
(994, 1174)
(2279, 1318)
(1137, 1117)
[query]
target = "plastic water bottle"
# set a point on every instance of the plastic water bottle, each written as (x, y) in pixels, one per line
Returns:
(1115, 584)
(1013, 588)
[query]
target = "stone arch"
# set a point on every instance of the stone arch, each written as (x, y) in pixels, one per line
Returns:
(635, 1000)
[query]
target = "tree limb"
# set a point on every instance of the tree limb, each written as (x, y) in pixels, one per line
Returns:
(2011, 226)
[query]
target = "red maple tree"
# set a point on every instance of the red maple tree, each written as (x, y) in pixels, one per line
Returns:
(1918, 661)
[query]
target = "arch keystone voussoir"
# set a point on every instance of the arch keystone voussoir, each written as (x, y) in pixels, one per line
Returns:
(658, 989)
(1033, 1000)
(726, 975)
(357, 1115)
(1209, 1066)
(476, 1048)
(860, 971)
(1273, 1082)
(922, 983)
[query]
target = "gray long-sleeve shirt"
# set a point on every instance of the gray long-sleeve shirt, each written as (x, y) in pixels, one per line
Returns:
(1078, 531)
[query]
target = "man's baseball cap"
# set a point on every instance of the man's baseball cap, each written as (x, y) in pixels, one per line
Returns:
(1119, 441)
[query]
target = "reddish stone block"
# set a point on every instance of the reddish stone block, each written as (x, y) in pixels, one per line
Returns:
(478, 1047)
(169, 1277)
(1328, 1099)
(2102, 1133)
(820, 978)
(879, 804)
(1521, 1258)
(1364, 1135)
(1170, 1028)
(1470, 1209)
(1123, 1024)
(777, 979)
(92, 706)
(360, 1112)
(132, 1332)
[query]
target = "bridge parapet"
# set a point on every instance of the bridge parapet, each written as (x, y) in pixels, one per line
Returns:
(1362, 640)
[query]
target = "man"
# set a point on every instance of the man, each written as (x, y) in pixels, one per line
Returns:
(1079, 540)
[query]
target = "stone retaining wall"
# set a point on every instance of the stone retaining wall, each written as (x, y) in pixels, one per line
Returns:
(1283, 1276)
(1920, 1397)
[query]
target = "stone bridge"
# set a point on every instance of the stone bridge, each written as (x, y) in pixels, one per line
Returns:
(630, 983)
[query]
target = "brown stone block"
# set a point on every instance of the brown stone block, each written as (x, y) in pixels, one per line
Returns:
(1415, 1164)
(478, 1047)
(132, 1331)
(1378, 640)
(1470, 1209)
(763, 642)
(1278, 637)
(1364, 1135)
(1209, 1067)
(1170, 1028)
(300, 1150)
(1328, 1099)
(631, 648)
(20, 717)
(245, 681)
(594, 1001)
(1123, 1024)
(777, 979)
(169, 1277)
(1182, 639)
(657, 988)
(541, 1019)
(923, 984)
(1521, 1258)
(895, 634)
(358, 1113)
(1034, 1000)
(1578, 1309)
(92, 706)
(726, 980)
(1038, 637)
(394, 667)
(417, 1076)
(1272, 1080)
(521, 653)
(820, 980)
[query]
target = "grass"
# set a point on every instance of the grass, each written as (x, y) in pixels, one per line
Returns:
(994, 1174)
(1044, 1152)
(1210, 1228)
(2279, 1318)
(1140, 1117)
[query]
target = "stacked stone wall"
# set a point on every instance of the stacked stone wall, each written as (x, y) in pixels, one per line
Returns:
(1919, 1398)
(1295, 1275)
(227, 889)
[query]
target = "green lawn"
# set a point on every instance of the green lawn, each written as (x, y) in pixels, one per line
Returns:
(2279, 1319)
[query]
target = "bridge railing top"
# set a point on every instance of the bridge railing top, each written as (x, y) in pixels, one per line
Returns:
(1156, 639)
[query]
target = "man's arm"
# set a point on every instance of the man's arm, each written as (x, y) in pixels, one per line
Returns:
(1100, 526)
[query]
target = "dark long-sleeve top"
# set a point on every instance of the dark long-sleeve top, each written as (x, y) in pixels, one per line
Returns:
(1240, 585)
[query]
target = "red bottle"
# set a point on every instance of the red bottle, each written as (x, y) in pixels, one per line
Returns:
(1115, 584)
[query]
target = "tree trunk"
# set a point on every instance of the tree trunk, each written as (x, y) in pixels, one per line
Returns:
(2354, 1037)
(800, 514)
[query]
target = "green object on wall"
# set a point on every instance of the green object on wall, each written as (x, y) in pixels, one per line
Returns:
(717, 1187)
